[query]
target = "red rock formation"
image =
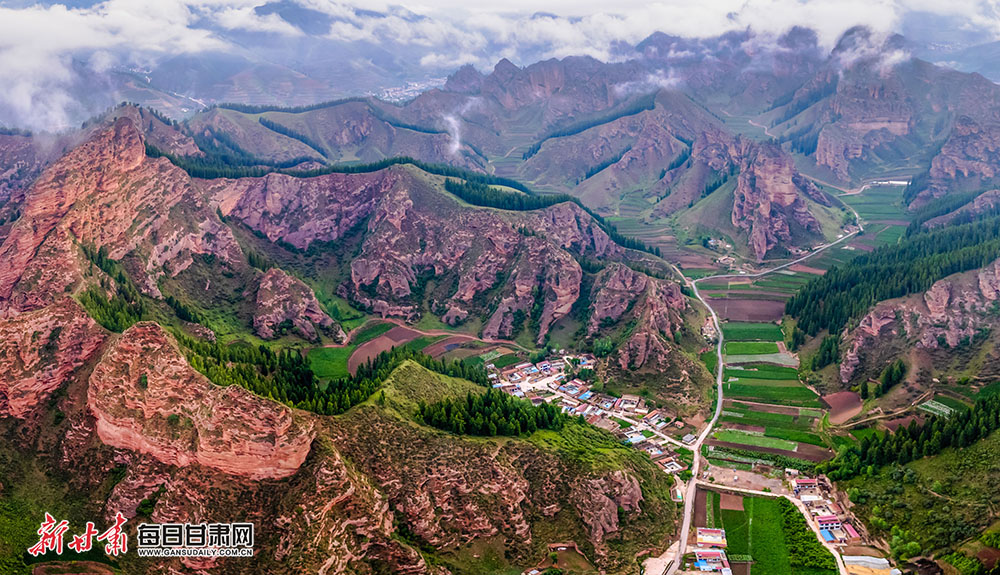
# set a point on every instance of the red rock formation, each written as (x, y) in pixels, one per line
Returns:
(600, 500)
(146, 398)
(769, 197)
(953, 312)
(282, 298)
(40, 351)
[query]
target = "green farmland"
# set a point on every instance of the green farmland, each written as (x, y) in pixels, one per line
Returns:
(775, 534)
(749, 331)
(750, 347)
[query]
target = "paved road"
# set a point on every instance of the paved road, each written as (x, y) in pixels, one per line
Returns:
(692, 486)
(841, 567)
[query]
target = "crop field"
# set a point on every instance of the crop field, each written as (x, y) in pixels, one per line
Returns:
(750, 347)
(776, 536)
(797, 395)
(506, 360)
(751, 331)
(763, 371)
(792, 418)
(878, 203)
(743, 438)
(784, 359)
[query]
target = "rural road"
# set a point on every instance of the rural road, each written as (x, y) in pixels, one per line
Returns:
(692, 486)
(841, 567)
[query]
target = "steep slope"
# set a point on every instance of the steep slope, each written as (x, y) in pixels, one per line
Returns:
(125, 418)
(940, 330)
(872, 110)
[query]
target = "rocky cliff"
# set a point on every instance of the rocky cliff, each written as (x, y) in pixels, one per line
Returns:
(283, 299)
(956, 313)
(146, 398)
(769, 199)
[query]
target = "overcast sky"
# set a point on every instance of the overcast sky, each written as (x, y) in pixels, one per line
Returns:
(39, 41)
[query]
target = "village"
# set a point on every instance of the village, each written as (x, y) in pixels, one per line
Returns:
(655, 431)
(564, 379)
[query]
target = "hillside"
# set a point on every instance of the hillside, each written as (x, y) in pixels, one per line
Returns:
(933, 505)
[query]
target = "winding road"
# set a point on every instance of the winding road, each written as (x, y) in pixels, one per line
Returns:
(692, 486)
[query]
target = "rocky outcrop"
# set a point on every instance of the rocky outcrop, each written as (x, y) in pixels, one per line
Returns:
(602, 498)
(107, 193)
(956, 311)
(769, 198)
(971, 153)
(284, 299)
(40, 351)
(146, 398)
(410, 233)
(656, 304)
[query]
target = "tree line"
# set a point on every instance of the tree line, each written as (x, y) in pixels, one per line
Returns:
(260, 109)
(479, 194)
(125, 307)
(594, 170)
(846, 292)
(490, 414)
(286, 376)
(641, 104)
(960, 429)
(293, 134)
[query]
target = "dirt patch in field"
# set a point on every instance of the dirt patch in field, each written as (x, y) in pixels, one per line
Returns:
(395, 337)
(740, 567)
(731, 501)
(988, 556)
(700, 504)
(862, 246)
(806, 451)
(806, 269)
(721, 294)
(813, 452)
(843, 406)
(749, 309)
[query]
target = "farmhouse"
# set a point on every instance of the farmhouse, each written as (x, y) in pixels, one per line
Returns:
(710, 559)
(804, 485)
(711, 537)
(852, 534)
(829, 522)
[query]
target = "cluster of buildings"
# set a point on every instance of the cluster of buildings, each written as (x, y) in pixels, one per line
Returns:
(629, 416)
(828, 515)
(710, 552)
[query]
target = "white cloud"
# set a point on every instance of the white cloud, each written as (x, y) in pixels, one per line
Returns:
(41, 46)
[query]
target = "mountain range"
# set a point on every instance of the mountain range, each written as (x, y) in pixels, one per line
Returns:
(165, 285)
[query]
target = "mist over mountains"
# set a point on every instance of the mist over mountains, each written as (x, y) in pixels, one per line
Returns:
(65, 62)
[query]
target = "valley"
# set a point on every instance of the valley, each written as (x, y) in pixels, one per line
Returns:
(559, 318)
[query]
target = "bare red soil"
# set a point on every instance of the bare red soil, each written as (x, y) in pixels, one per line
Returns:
(843, 405)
